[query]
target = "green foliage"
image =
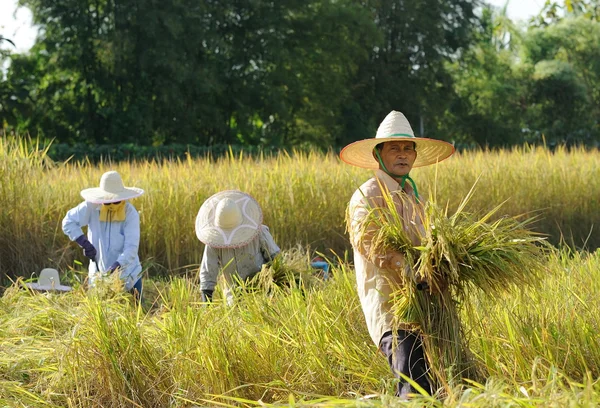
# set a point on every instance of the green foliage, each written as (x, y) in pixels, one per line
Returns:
(565, 88)
(285, 73)
(488, 105)
(317, 73)
(540, 85)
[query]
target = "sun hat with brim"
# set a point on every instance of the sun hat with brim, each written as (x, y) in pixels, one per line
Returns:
(47, 281)
(111, 190)
(228, 219)
(395, 127)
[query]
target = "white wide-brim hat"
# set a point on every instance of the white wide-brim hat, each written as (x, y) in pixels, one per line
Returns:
(111, 190)
(395, 127)
(48, 280)
(228, 219)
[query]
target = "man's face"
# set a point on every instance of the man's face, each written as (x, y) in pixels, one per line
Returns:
(398, 157)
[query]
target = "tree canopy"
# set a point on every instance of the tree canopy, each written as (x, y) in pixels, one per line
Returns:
(317, 73)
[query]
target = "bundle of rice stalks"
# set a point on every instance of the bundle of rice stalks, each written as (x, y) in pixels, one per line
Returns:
(290, 269)
(457, 254)
(107, 287)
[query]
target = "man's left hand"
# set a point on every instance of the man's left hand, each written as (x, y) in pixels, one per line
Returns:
(437, 288)
(113, 267)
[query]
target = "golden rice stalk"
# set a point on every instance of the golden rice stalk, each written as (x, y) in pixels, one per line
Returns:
(463, 250)
(288, 269)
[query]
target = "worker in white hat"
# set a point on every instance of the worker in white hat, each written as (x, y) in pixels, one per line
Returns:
(113, 231)
(229, 223)
(391, 154)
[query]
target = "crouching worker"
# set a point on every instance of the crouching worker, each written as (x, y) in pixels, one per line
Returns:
(113, 231)
(229, 223)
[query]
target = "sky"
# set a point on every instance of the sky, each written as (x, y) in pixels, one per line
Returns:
(517, 9)
(15, 24)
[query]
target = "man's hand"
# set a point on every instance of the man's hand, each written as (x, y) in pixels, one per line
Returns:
(439, 287)
(113, 268)
(88, 249)
(393, 261)
(206, 295)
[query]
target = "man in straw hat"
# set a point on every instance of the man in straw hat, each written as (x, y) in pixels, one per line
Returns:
(229, 223)
(113, 233)
(391, 154)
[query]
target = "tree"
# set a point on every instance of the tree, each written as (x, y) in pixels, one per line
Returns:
(406, 69)
(155, 72)
(490, 86)
(565, 85)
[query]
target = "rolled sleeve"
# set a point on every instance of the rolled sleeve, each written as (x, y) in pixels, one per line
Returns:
(267, 244)
(209, 269)
(75, 219)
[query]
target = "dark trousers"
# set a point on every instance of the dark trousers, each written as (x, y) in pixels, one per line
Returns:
(136, 291)
(407, 358)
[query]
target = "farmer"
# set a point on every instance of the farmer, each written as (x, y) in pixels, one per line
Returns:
(229, 223)
(113, 231)
(392, 154)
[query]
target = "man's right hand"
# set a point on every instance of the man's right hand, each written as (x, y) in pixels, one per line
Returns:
(88, 249)
(206, 295)
(393, 261)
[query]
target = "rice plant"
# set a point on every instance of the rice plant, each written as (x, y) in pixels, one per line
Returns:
(287, 348)
(536, 345)
(303, 196)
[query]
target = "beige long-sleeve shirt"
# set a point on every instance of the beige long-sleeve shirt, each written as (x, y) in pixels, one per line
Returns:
(377, 274)
(237, 263)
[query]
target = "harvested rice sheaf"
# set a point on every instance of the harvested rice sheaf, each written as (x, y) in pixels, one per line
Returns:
(458, 254)
(287, 270)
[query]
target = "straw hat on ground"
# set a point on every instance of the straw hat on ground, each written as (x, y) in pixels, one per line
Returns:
(395, 127)
(111, 190)
(228, 219)
(48, 280)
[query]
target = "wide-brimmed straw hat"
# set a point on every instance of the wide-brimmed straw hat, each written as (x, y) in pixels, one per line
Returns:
(111, 190)
(48, 280)
(395, 127)
(228, 219)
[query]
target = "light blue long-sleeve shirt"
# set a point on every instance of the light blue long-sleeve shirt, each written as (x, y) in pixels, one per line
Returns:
(115, 241)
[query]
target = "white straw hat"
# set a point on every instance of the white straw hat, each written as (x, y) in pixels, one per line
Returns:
(395, 126)
(228, 219)
(111, 190)
(48, 280)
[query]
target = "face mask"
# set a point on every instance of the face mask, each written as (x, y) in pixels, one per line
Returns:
(112, 212)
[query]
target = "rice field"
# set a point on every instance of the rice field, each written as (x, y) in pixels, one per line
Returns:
(288, 347)
(304, 197)
(298, 346)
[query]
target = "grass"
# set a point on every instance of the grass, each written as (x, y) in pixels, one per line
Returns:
(288, 347)
(303, 196)
(293, 346)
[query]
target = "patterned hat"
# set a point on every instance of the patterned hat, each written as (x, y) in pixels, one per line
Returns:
(395, 127)
(228, 219)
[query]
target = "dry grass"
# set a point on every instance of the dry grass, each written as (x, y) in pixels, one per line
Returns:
(303, 196)
(309, 347)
